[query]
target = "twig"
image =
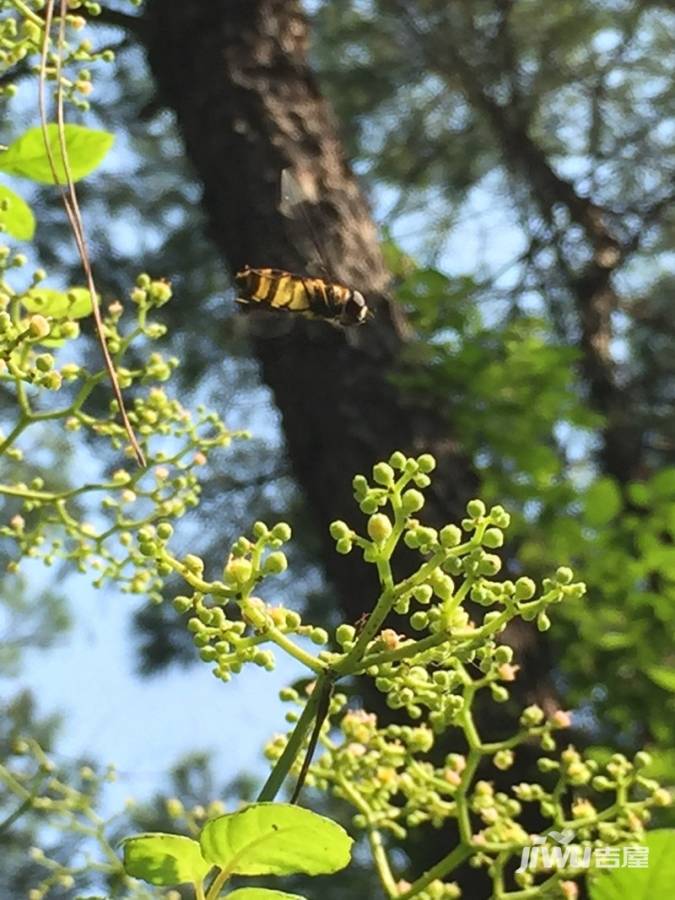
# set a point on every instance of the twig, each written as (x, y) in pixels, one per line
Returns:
(71, 205)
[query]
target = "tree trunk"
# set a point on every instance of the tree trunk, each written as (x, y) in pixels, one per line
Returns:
(236, 74)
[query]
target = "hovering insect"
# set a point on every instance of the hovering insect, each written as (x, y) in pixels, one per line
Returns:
(311, 297)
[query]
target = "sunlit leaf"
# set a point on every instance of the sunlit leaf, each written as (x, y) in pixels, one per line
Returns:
(602, 502)
(16, 215)
(72, 304)
(664, 676)
(27, 157)
(275, 839)
(654, 882)
(164, 859)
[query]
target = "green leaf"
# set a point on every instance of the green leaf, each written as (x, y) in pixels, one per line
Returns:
(663, 483)
(652, 883)
(164, 859)
(72, 304)
(275, 839)
(85, 147)
(602, 502)
(16, 215)
(256, 893)
(664, 676)
(639, 494)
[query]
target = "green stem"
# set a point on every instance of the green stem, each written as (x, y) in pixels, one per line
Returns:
(381, 861)
(20, 426)
(28, 13)
(439, 871)
(286, 644)
(216, 885)
(412, 649)
(348, 663)
(294, 746)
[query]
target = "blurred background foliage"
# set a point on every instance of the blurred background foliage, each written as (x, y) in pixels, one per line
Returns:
(518, 155)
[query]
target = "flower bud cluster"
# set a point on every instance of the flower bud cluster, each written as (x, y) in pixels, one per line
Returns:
(21, 41)
(231, 643)
(435, 668)
(64, 798)
(44, 517)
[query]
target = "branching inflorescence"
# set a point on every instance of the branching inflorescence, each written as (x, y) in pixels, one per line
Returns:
(434, 672)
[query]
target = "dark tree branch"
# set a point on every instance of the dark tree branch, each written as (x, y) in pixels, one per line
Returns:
(591, 287)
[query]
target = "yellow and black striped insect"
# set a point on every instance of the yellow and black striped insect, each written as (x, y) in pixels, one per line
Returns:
(306, 295)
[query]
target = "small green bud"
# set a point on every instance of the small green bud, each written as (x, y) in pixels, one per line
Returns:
(71, 330)
(275, 564)
(239, 570)
(412, 501)
(345, 634)
(368, 505)
(426, 463)
(379, 528)
(51, 381)
(525, 589)
(319, 636)
(503, 759)
(489, 565)
(642, 759)
(344, 546)
(493, 538)
(450, 536)
(44, 362)
(564, 575)
(383, 474)
(500, 517)
(475, 509)
(339, 530)
(531, 716)
(174, 808)
(360, 486)
(419, 620)
(397, 460)
(661, 797)
(38, 326)
(499, 693)
(194, 563)
(423, 593)
(70, 371)
(543, 622)
(160, 291)
(442, 584)
(282, 532)
(602, 783)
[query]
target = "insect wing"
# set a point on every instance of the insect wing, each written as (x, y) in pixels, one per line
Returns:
(296, 205)
(292, 195)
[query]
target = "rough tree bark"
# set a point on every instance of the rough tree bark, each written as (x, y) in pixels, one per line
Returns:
(236, 74)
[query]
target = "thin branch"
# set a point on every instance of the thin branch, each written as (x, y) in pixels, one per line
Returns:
(69, 197)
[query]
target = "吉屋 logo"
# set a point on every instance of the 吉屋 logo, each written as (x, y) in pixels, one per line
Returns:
(555, 850)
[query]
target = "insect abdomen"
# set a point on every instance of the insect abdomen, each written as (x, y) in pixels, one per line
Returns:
(275, 288)
(312, 297)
